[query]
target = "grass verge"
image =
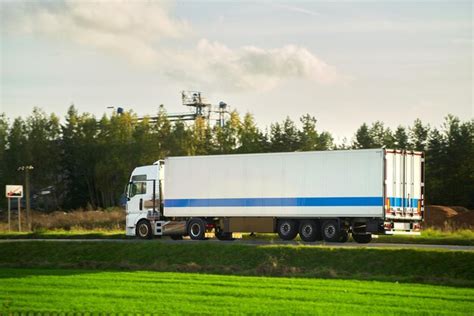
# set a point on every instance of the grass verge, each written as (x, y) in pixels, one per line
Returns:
(463, 237)
(401, 265)
(67, 291)
(65, 234)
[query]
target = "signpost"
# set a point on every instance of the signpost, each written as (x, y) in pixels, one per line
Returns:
(14, 192)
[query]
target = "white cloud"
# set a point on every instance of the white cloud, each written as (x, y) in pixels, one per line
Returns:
(250, 67)
(132, 28)
(138, 29)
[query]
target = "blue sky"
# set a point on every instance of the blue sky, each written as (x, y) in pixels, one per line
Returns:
(343, 62)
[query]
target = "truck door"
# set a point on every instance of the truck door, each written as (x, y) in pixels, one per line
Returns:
(137, 194)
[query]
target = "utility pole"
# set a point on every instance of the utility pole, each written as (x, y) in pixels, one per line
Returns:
(27, 169)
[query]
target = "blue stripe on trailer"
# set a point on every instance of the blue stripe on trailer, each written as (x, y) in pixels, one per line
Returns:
(403, 202)
(276, 202)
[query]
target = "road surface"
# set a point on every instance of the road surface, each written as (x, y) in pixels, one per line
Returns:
(259, 243)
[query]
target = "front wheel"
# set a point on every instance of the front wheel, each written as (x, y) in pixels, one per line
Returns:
(362, 238)
(143, 229)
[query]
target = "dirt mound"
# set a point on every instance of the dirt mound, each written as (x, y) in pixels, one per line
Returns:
(438, 216)
(463, 220)
(460, 209)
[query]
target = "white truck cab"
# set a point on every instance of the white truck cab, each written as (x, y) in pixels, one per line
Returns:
(144, 200)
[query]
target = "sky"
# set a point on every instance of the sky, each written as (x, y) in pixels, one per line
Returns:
(344, 62)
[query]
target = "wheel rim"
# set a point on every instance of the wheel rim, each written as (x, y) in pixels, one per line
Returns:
(285, 228)
(143, 230)
(195, 229)
(307, 230)
(330, 231)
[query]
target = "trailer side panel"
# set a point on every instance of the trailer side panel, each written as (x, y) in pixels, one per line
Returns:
(296, 185)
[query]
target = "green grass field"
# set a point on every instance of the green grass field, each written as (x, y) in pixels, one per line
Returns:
(39, 290)
(386, 264)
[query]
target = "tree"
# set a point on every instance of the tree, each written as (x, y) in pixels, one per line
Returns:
(459, 162)
(17, 153)
(162, 134)
(250, 138)
(3, 148)
(227, 135)
(435, 167)
(308, 136)
(400, 138)
(284, 137)
(418, 135)
(180, 141)
(310, 139)
(43, 134)
(380, 135)
(201, 141)
(79, 156)
(363, 138)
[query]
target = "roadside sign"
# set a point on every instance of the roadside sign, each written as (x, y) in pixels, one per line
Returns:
(14, 191)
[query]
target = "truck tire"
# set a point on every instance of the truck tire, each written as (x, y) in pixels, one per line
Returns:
(362, 238)
(344, 236)
(225, 236)
(196, 229)
(331, 230)
(287, 229)
(143, 229)
(309, 230)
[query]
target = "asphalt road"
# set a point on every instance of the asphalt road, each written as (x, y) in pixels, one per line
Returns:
(259, 243)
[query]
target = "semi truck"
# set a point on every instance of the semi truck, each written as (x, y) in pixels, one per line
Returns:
(318, 195)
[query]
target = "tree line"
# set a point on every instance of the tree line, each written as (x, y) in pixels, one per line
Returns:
(86, 161)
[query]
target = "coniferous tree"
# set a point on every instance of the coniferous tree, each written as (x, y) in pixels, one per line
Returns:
(251, 139)
(400, 138)
(308, 136)
(3, 148)
(227, 135)
(284, 137)
(363, 138)
(418, 135)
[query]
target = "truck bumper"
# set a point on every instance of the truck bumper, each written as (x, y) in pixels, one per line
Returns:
(130, 231)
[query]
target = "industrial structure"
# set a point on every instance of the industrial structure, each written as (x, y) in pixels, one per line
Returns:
(198, 106)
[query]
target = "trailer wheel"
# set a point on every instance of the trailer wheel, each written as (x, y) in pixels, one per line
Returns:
(362, 238)
(287, 229)
(196, 229)
(226, 236)
(331, 231)
(309, 230)
(344, 236)
(176, 237)
(143, 229)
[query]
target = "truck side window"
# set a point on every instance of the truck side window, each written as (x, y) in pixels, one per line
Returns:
(136, 188)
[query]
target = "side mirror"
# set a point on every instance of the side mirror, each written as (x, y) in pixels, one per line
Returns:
(123, 200)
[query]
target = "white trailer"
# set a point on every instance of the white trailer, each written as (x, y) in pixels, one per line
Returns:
(318, 195)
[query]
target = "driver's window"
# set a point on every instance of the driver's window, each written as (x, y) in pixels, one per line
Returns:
(137, 186)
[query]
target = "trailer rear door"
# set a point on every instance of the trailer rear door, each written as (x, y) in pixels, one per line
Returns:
(403, 189)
